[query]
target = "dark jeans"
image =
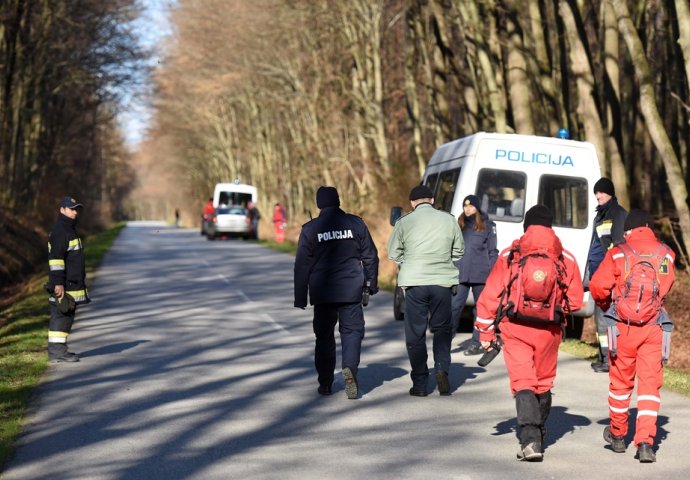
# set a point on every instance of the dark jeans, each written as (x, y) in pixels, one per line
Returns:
(59, 327)
(350, 319)
(458, 304)
(427, 305)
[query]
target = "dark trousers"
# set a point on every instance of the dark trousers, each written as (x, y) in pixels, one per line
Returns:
(59, 327)
(458, 303)
(427, 305)
(350, 319)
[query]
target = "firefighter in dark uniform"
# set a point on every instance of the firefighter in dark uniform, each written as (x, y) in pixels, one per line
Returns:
(336, 260)
(608, 231)
(66, 279)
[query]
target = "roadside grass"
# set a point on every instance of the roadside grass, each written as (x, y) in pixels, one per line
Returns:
(23, 357)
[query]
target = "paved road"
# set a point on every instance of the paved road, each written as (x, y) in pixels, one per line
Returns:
(195, 366)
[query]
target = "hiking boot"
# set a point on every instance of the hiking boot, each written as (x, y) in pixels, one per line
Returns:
(600, 367)
(617, 443)
(474, 349)
(64, 357)
(418, 392)
(442, 383)
(324, 390)
(645, 453)
(351, 389)
(531, 452)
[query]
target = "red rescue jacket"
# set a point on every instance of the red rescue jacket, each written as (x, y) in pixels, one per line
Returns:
(609, 279)
(496, 283)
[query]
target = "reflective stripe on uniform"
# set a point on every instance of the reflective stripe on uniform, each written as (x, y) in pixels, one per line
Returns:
(619, 397)
(74, 245)
(56, 265)
(77, 295)
(651, 398)
(647, 413)
(57, 337)
(618, 410)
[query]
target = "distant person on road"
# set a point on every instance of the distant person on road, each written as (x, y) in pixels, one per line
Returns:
(254, 217)
(530, 344)
(479, 235)
(607, 232)
(177, 218)
(279, 222)
(639, 336)
(207, 214)
(336, 260)
(66, 279)
(425, 243)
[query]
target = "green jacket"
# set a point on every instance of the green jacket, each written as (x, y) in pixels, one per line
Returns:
(425, 243)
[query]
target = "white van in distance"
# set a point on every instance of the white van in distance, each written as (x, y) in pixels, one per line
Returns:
(510, 173)
(233, 194)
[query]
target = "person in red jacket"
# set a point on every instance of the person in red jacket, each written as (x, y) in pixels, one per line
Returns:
(530, 349)
(638, 345)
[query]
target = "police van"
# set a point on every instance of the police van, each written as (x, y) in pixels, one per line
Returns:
(235, 193)
(510, 173)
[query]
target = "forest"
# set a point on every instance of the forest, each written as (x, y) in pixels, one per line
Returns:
(289, 95)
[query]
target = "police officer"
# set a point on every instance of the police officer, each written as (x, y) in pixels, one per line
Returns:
(336, 260)
(607, 232)
(425, 243)
(66, 279)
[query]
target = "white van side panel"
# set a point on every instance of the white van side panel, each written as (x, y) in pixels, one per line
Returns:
(536, 157)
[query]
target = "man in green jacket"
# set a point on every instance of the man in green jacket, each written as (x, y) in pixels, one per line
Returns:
(425, 243)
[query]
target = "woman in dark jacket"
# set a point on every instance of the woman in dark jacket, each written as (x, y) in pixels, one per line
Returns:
(479, 234)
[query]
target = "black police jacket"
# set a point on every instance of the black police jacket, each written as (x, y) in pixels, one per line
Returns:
(66, 259)
(335, 257)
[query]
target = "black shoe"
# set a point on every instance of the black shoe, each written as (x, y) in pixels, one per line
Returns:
(324, 390)
(600, 367)
(351, 389)
(531, 452)
(418, 392)
(645, 453)
(64, 357)
(474, 349)
(442, 383)
(617, 443)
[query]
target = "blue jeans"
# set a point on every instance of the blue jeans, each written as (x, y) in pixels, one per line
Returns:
(430, 302)
(459, 301)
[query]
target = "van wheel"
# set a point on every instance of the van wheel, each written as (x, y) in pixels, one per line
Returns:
(399, 303)
(574, 327)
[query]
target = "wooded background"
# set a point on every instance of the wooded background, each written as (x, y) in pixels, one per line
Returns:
(292, 94)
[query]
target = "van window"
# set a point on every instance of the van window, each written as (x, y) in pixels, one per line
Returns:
(567, 198)
(431, 181)
(445, 191)
(502, 193)
(234, 198)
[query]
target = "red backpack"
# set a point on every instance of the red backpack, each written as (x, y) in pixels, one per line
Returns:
(639, 301)
(536, 287)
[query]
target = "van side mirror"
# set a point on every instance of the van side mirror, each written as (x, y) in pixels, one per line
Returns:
(396, 213)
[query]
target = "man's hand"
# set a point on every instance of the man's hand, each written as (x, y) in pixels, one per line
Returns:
(486, 345)
(59, 291)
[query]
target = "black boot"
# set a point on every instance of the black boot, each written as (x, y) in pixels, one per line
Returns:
(544, 410)
(529, 431)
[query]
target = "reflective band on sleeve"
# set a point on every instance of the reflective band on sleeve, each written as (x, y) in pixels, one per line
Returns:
(616, 256)
(618, 410)
(56, 265)
(647, 413)
(77, 295)
(484, 321)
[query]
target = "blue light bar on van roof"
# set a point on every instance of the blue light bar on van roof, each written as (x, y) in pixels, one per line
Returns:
(563, 133)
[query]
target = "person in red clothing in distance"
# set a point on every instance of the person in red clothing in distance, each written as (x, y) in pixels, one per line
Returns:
(638, 344)
(530, 346)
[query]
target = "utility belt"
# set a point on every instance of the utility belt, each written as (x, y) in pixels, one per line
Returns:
(663, 320)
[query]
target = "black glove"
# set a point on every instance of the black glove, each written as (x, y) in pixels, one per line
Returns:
(488, 357)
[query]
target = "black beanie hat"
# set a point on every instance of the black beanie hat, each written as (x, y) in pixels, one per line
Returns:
(638, 218)
(604, 185)
(421, 191)
(538, 215)
(327, 197)
(472, 200)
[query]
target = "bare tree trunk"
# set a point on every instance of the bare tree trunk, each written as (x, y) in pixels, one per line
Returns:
(650, 112)
(517, 77)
